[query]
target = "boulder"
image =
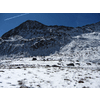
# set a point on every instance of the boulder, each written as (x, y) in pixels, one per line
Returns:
(88, 63)
(2, 71)
(55, 66)
(44, 60)
(24, 86)
(98, 63)
(80, 81)
(47, 65)
(77, 63)
(34, 59)
(70, 64)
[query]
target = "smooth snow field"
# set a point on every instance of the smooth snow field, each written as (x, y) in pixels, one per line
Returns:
(25, 73)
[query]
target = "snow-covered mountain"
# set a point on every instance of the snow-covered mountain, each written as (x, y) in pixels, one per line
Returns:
(32, 38)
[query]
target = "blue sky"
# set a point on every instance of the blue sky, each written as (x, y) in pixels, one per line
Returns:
(9, 21)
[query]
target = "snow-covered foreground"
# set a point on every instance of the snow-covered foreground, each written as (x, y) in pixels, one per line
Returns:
(40, 74)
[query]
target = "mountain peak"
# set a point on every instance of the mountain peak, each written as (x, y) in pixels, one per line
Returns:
(24, 29)
(32, 22)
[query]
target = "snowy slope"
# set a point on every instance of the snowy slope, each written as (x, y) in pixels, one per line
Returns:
(85, 47)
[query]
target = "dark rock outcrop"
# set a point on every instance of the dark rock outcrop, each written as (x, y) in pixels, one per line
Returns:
(34, 59)
(71, 64)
